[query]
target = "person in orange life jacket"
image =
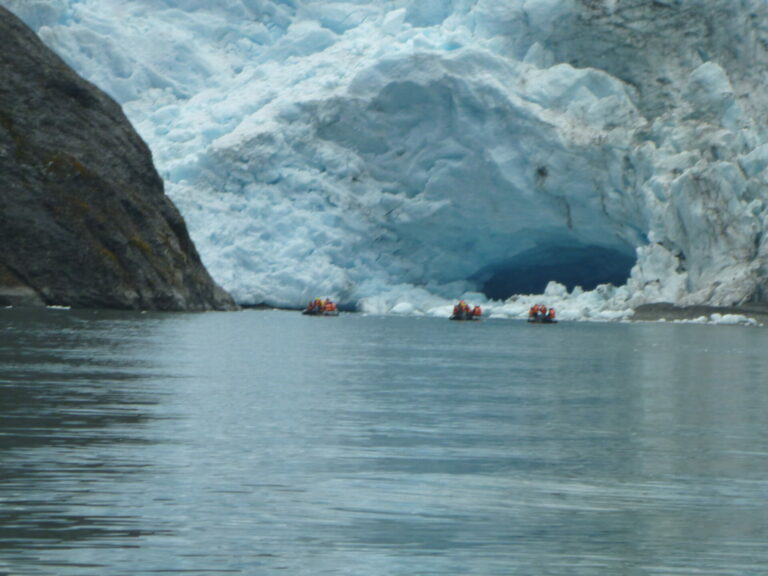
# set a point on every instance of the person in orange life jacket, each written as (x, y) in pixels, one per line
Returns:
(551, 313)
(477, 311)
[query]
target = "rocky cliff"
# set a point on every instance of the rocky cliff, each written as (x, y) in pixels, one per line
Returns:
(84, 220)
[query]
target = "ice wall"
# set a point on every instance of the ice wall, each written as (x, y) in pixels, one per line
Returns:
(408, 148)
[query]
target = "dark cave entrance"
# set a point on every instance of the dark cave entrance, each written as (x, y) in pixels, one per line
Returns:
(529, 273)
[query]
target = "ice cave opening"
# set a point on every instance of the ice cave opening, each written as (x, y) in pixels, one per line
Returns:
(530, 271)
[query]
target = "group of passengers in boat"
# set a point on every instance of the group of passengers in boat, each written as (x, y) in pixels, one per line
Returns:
(462, 311)
(318, 306)
(541, 312)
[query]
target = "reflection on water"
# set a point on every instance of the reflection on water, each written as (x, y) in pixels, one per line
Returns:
(260, 442)
(72, 420)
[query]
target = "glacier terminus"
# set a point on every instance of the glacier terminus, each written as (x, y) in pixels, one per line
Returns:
(395, 155)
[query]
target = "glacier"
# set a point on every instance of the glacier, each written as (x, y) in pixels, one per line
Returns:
(396, 155)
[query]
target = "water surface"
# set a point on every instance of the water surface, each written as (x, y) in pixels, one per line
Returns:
(264, 442)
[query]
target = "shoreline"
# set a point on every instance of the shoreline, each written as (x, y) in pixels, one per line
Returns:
(656, 312)
(667, 311)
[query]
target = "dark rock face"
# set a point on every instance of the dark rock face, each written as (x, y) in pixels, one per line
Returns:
(84, 220)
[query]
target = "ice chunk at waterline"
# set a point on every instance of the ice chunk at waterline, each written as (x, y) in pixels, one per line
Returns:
(356, 149)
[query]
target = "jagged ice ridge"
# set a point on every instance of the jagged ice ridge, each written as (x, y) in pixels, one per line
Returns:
(396, 155)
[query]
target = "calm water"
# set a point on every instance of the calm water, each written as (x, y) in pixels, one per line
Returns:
(271, 443)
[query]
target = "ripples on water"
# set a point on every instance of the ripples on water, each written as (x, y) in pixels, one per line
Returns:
(268, 442)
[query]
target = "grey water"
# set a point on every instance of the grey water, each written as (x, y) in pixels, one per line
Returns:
(266, 442)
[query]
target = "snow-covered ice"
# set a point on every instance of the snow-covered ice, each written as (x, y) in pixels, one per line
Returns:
(396, 155)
